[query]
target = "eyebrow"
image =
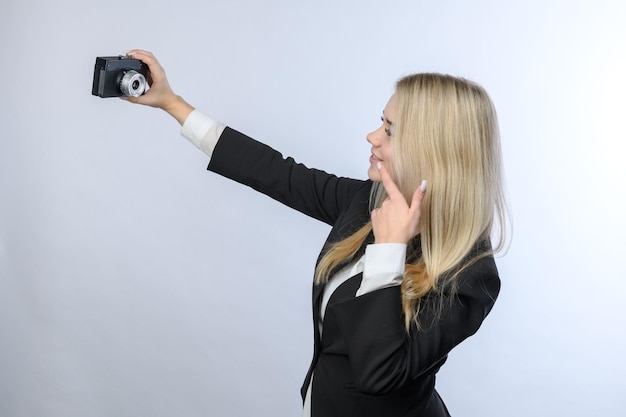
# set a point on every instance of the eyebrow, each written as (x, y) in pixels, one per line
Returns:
(384, 119)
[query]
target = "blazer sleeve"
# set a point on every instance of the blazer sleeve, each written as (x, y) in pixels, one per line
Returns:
(313, 192)
(384, 356)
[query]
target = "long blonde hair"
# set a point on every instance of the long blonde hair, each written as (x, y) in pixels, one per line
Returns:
(446, 131)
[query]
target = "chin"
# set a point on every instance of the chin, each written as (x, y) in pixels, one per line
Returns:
(373, 174)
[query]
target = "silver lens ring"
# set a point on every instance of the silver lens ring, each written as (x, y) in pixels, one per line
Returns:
(133, 84)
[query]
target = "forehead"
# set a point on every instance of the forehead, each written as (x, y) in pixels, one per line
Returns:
(390, 108)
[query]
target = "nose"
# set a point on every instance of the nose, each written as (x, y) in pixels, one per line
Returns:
(374, 137)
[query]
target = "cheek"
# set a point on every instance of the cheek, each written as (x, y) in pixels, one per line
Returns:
(387, 150)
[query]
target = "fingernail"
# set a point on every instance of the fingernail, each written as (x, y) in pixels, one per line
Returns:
(423, 186)
(378, 165)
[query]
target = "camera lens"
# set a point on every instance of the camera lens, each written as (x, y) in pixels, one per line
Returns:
(133, 84)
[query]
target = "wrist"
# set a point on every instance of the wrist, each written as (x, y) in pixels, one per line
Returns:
(178, 108)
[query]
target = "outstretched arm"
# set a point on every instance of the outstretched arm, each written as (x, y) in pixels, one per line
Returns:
(247, 161)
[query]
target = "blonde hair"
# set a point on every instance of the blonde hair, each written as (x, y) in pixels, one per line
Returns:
(446, 131)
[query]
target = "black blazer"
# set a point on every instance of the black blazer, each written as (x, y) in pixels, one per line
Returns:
(365, 363)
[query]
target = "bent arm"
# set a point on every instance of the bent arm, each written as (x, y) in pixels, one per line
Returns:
(384, 357)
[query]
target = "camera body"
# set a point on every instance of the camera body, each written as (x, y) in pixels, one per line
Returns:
(119, 76)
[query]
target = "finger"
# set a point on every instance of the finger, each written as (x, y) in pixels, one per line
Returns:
(418, 196)
(137, 52)
(147, 58)
(390, 186)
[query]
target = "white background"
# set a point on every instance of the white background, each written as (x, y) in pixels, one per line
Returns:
(134, 283)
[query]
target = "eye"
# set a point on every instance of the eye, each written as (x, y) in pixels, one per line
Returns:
(387, 128)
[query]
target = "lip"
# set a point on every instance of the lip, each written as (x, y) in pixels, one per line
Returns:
(374, 159)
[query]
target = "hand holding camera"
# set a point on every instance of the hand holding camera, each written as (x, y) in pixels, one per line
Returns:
(116, 82)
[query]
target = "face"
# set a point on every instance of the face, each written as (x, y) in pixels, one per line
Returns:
(380, 139)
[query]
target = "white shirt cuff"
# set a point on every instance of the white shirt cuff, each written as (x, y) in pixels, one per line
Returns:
(384, 266)
(202, 131)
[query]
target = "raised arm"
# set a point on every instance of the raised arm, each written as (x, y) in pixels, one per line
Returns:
(312, 192)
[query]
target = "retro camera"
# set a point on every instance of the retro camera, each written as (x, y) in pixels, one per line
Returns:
(119, 76)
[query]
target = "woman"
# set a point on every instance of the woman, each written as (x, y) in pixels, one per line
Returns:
(407, 271)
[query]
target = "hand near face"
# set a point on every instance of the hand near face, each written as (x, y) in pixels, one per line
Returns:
(396, 221)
